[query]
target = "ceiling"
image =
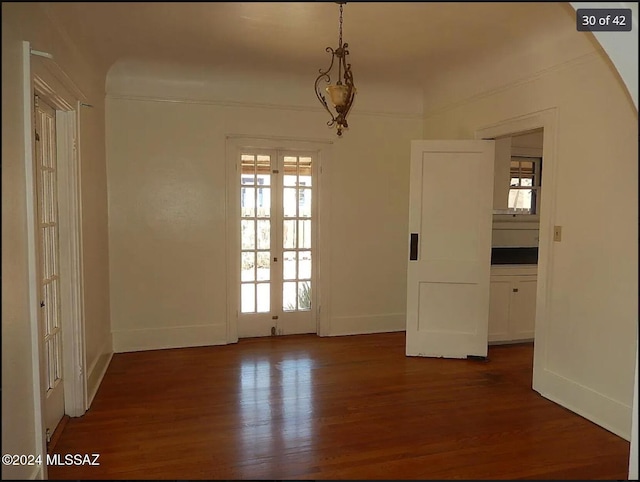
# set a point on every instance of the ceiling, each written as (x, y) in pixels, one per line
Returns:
(395, 41)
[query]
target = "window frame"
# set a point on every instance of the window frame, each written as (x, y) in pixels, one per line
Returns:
(536, 187)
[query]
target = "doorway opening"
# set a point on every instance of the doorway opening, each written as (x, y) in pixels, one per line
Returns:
(515, 237)
(545, 120)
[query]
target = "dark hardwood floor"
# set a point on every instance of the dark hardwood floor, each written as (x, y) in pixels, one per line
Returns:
(304, 407)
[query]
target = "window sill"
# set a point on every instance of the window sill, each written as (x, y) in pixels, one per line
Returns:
(516, 218)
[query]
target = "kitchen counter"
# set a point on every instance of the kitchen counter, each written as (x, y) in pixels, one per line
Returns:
(514, 255)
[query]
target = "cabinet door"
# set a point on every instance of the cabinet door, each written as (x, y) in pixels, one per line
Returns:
(499, 301)
(523, 308)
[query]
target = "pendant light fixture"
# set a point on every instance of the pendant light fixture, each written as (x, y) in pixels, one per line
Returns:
(342, 92)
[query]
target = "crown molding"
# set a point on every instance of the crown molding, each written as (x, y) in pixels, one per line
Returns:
(582, 59)
(258, 105)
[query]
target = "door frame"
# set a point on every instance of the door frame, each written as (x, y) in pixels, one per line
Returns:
(42, 76)
(323, 150)
(546, 119)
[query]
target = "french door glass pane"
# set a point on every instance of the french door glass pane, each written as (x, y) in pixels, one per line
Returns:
(264, 234)
(304, 240)
(289, 299)
(248, 169)
(50, 251)
(50, 363)
(304, 296)
(264, 265)
(289, 234)
(304, 170)
(263, 169)
(289, 201)
(247, 202)
(248, 235)
(247, 269)
(48, 318)
(44, 186)
(304, 265)
(58, 357)
(53, 302)
(46, 253)
(264, 297)
(290, 171)
(289, 265)
(264, 202)
(48, 196)
(248, 298)
(304, 200)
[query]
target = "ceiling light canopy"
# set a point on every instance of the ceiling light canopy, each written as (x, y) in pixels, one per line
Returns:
(342, 92)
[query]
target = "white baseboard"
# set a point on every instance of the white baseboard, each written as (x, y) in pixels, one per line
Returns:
(610, 414)
(96, 375)
(174, 337)
(360, 325)
(510, 342)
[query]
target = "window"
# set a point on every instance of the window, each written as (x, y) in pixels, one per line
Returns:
(524, 185)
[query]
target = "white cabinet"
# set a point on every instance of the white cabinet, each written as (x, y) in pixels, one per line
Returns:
(512, 305)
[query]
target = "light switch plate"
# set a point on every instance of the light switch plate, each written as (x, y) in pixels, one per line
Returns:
(557, 233)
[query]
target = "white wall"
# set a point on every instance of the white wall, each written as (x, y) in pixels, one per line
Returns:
(166, 171)
(588, 349)
(623, 52)
(29, 21)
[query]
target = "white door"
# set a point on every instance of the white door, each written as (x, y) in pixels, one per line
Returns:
(277, 242)
(450, 221)
(49, 265)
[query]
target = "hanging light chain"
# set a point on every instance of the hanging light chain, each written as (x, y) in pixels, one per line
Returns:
(340, 50)
(340, 41)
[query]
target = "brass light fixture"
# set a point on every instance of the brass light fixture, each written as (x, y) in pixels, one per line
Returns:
(343, 91)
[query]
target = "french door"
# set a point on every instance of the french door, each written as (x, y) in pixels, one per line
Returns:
(49, 256)
(277, 242)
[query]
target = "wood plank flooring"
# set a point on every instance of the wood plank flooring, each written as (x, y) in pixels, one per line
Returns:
(304, 407)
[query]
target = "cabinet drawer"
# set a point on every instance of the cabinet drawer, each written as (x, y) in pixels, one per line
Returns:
(514, 270)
